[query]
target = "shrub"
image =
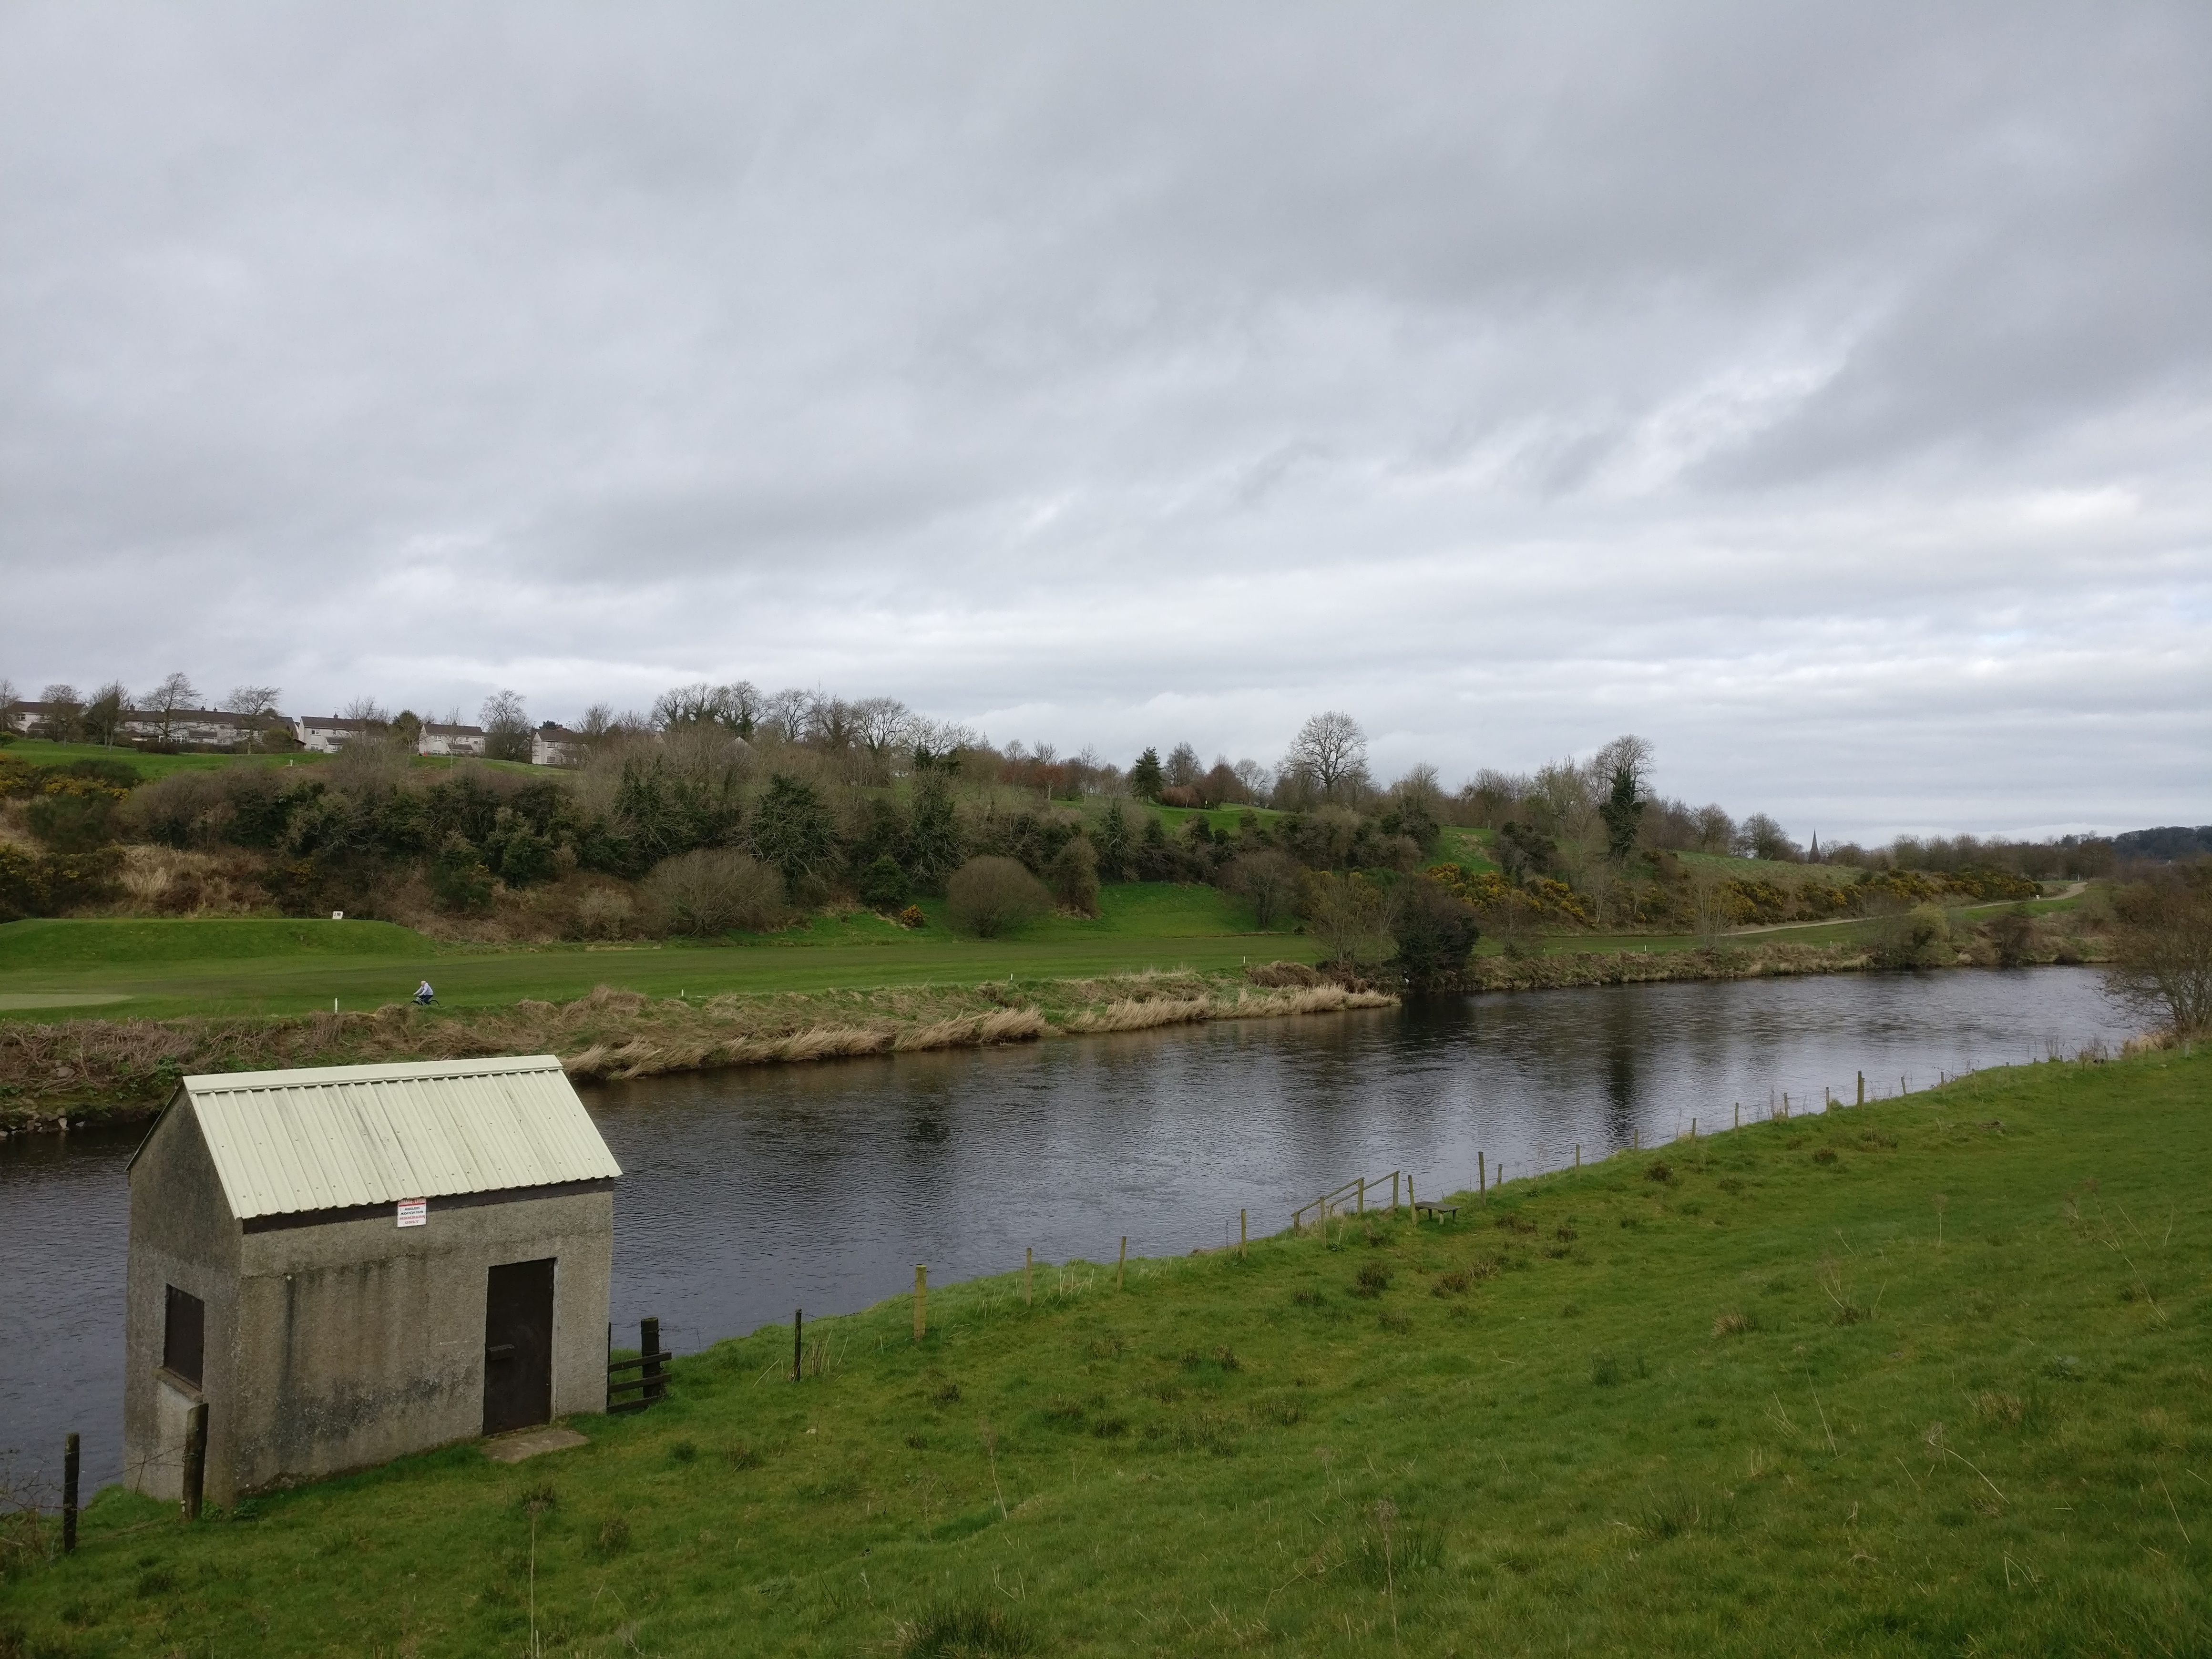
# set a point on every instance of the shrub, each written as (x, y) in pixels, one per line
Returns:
(988, 896)
(1435, 932)
(1073, 876)
(1267, 881)
(793, 828)
(603, 913)
(884, 885)
(2162, 950)
(713, 889)
(913, 917)
(459, 877)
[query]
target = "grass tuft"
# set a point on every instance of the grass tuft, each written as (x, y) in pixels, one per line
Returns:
(963, 1629)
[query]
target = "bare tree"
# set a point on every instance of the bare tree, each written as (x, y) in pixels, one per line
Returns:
(1268, 881)
(884, 727)
(736, 706)
(1712, 911)
(1258, 781)
(1332, 749)
(1350, 917)
(506, 726)
(175, 692)
(830, 724)
(712, 889)
(103, 715)
(252, 704)
(1182, 767)
(1627, 752)
(783, 716)
(370, 712)
(2161, 966)
(64, 708)
(1762, 837)
(1489, 798)
(1716, 829)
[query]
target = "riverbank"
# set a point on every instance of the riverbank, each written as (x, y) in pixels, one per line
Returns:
(1923, 1375)
(90, 1070)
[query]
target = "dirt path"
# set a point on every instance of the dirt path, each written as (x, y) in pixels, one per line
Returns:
(2075, 891)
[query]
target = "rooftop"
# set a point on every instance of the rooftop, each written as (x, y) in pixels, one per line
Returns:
(337, 1136)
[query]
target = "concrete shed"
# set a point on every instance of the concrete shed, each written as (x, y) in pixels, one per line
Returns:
(354, 1262)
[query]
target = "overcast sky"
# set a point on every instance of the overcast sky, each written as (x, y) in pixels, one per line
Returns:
(1823, 392)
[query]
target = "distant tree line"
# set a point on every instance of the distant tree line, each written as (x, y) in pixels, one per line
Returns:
(722, 806)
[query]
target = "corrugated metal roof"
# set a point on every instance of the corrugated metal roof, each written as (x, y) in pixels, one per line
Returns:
(334, 1136)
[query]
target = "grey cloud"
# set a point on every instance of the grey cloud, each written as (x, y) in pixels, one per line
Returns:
(1511, 374)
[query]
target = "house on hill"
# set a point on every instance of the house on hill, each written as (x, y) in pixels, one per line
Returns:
(467, 741)
(40, 720)
(196, 728)
(321, 735)
(350, 1263)
(557, 746)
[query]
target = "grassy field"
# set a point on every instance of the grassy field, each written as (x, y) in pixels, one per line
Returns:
(156, 969)
(1925, 1376)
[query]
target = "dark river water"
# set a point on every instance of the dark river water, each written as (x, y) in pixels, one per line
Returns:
(748, 1193)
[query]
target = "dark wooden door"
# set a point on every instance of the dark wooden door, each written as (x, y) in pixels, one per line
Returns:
(518, 1345)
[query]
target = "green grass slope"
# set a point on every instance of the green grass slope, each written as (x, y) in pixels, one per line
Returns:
(1929, 1375)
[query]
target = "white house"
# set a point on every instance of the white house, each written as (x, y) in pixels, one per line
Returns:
(321, 736)
(556, 745)
(459, 740)
(198, 729)
(26, 718)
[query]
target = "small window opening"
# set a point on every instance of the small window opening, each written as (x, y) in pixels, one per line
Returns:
(184, 1336)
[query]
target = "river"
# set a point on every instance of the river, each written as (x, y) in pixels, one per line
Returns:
(750, 1192)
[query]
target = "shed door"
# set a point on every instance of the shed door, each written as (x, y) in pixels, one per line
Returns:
(518, 1345)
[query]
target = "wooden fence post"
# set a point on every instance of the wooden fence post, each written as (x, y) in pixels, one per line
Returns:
(1028, 1276)
(648, 1345)
(1481, 1181)
(1861, 1089)
(1242, 1234)
(69, 1495)
(1393, 1195)
(1362, 1200)
(195, 1459)
(1579, 1155)
(1121, 1261)
(1739, 1115)
(798, 1348)
(921, 1301)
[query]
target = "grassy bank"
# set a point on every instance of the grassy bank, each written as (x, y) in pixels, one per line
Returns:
(89, 1070)
(1928, 1375)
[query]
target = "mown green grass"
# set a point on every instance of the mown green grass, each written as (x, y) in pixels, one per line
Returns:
(71, 946)
(1928, 1375)
(157, 969)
